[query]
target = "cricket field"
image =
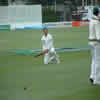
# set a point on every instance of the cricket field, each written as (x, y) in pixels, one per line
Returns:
(66, 81)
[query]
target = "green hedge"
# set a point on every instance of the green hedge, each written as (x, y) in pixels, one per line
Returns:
(49, 15)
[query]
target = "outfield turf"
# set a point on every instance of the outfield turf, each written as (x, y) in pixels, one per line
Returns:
(66, 81)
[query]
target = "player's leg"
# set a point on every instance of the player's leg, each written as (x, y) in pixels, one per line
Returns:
(92, 63)
(97, 56)
(46, 58)
(97, 65)
(54, 58)
(57, 59)
(92, 45)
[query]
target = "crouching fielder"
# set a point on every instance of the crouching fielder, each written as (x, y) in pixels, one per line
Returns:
(94, 42)
(49, 52)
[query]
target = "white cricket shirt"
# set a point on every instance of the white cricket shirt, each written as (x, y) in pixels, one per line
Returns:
(92, 30)
(47, 42)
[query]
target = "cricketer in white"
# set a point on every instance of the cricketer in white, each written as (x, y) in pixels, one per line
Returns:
(94, 42)
(48, 49)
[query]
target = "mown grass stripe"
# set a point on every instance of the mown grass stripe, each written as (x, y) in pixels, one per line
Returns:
(58, 50)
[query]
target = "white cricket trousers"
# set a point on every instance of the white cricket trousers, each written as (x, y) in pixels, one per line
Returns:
(92, 72)
(51, 57)
(95, 65)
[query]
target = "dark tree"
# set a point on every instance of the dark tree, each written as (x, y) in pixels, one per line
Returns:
(3, 2)
(30, 2)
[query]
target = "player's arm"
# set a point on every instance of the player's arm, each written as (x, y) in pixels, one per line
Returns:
(41, 53)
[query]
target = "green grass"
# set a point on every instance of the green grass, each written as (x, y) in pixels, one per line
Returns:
(66, 81)
(30, 39)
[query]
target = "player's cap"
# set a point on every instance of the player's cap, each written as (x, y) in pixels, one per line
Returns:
(95, 10)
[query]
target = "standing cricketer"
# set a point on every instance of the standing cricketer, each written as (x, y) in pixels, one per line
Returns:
(94, 43)
(48, 49)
